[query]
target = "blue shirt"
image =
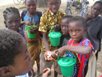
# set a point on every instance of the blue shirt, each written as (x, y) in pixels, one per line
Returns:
(35, 19)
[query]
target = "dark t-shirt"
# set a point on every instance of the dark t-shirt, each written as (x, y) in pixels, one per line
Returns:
(94, 29)
(64, 40)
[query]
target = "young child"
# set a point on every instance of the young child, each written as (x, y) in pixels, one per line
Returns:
(14, 57)
(77, 44)
(94, 26)
(64, 38)
(32, 17)
(49, 19)
(64, 29)
(12, 20)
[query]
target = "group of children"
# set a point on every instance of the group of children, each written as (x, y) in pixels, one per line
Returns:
(81, 36)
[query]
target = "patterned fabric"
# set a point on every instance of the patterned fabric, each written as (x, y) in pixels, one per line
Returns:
(83, 58)
(49, 19)
(33, 44)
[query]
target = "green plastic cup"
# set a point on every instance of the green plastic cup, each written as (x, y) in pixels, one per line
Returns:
(27, 28)
(67, 66)
(29, 34)
(54, 38)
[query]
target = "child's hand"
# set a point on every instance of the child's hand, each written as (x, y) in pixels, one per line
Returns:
(48, 56)
(57, 28)
(46, 72)
(54, 54)
(61, 50)
(33, 30)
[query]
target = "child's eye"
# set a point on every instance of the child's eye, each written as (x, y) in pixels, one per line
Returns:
(9, 22)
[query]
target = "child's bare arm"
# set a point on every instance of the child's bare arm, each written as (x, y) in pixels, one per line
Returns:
(76, 49)
(45, 41)
(46, 72)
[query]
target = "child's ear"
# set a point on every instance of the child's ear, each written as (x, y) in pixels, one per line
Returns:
(5, 72)
(5, 24)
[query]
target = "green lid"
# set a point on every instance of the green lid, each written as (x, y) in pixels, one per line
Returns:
(66, 61)
(54, 34)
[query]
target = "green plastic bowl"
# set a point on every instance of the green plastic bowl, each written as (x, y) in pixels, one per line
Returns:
(67, 66)
(54, 38)
(27, 27)
(29, 34)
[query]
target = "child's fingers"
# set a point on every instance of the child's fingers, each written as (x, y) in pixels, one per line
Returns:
(47, 70)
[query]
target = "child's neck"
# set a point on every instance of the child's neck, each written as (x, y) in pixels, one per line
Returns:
(31, 14)
(78, 41)
(53, 12)
(66, 35)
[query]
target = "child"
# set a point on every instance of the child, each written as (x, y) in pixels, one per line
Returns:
(49, 19)
(94, 26)
(64, 38)
(12, 20)
(64, 29)
(32, 17)
(14, 57)
(77, 44)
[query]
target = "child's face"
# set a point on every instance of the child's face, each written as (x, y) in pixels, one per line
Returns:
(54, 5)
(95, 10)
(22, 62)
(64, 26)
(31, 6)
(13, 22)
(76, 31)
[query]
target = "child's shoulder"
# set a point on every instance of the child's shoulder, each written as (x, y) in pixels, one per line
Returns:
(24, 12)
(86, 42)
(39, 13)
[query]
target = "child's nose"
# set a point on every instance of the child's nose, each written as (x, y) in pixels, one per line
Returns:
(73, 33)
(14, 24)
(32, 7)
(64, 28)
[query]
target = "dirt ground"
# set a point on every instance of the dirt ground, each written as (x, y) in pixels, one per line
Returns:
(21, 7)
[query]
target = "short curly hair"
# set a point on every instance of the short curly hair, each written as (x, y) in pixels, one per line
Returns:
(81, 20)
(98, 2)
(10, 44)
(10, 10)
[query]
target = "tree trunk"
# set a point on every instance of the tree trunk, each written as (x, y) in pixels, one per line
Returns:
(42, 3)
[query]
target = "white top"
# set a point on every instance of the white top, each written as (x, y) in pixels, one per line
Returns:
(25, 75)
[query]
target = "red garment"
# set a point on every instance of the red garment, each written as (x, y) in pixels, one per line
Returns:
(83, 58)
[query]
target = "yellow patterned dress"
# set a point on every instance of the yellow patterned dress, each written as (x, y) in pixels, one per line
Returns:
(49, 20)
